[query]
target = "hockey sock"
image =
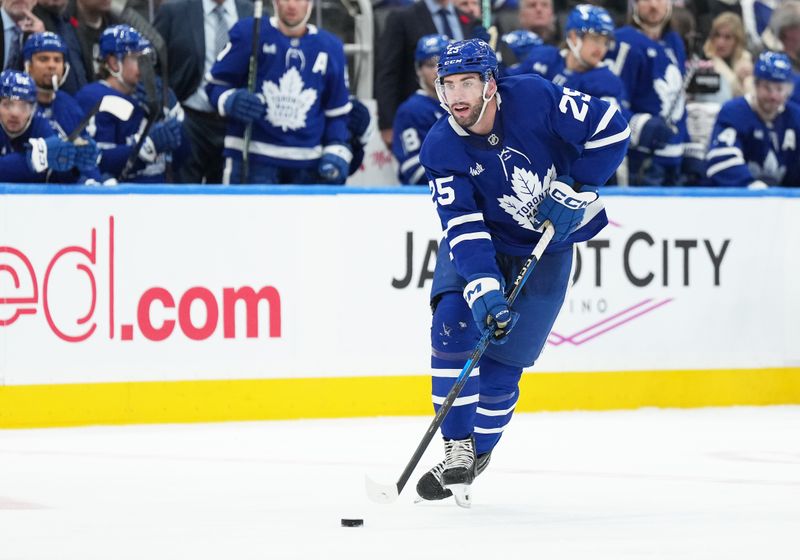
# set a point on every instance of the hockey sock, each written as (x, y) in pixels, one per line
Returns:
(498, 394)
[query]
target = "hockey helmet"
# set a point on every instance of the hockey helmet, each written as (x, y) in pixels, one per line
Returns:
(46, 41)
(17, 85)
(521, 42)
(462, 57)
(773, 66)
(586, 18)
(121, 40)
(430, 46)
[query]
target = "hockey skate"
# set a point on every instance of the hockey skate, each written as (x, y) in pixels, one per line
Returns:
(430, 487)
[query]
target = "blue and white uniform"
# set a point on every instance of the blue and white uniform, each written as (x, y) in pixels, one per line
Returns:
(487, 190)
(14, 158)
(63, 113)
(652, 74)
(303, 83)
(414, 118)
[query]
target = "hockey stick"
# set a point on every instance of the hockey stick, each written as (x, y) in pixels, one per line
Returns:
(120, 107)
(258, 7)
(147, 73)
(388, 493)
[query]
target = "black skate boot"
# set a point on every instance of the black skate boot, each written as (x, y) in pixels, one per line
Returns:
(460, 469)
(429, 486)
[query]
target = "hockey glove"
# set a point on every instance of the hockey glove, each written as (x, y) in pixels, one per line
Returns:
(489, 309)
(50, 153)
(358, 119)
(166, 135)
(650, 132)
(563, 207)
(244, 106)
(86, 154)
(333, 169)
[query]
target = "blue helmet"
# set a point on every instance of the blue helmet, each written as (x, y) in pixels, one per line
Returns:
(586, 18)
(43, 42)
(17, 85)
(521, 42)
(472, 55)
(773, 66)
(120, 40)
(430, 46)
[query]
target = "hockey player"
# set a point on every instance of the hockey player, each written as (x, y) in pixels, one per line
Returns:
(650, 59)
(590, 34)
(754, 142)
(30, 150)
(520, 42)
(299, 111)
(416, 115)
(512, 154)
(120, 49)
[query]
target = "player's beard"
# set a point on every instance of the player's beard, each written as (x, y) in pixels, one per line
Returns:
(470, 119)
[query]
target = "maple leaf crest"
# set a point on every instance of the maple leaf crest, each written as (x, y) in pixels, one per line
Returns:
(528, 193)
(669, 90)
(288, 103)
(771, 172)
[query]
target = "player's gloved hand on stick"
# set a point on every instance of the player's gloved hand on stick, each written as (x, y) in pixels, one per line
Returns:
(490, 310)
(333, 169)
(563, 207)
(653, 134)
(50, 153)
(86, 153)
(166, 135)
(244, 106)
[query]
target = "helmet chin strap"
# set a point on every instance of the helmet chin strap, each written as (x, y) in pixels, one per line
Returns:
(575, 49)
(118, 75)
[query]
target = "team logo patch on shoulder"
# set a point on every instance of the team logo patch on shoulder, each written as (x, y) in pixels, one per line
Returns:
(477, 170)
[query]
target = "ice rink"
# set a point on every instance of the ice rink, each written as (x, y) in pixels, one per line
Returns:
(650, 484)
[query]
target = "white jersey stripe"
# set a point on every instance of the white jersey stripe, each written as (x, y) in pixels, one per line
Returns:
(489, 412)
(272, 150)
(718, 152)
(470, 237)
(479, 430)
(618, 137)
(453, 373)
(409, 163)
(717, 167)
(609, 114)
(464, 219)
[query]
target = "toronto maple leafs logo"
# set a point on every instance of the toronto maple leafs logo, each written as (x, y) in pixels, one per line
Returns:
(287, 102)
(529, 192)
(772, 172)
(670, 93)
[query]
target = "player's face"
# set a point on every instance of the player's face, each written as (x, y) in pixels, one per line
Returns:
(130, 69)
(45, 66)
(723, 41)
(292, 12)
(594, 48)
(14, 114)
(771, 96)
(652, 12)
(427, 74)
(464, 96)
(535, 14)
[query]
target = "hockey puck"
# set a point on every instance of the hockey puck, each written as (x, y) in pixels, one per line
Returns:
(352, 522)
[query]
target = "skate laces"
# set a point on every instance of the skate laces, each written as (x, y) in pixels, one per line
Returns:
(459, 453)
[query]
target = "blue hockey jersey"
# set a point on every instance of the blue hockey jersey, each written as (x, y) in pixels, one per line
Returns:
(652, 74)
(487, 188)
(744, 149)
(64, 114)
(14, 159)
(551, 63)
(303, 82)
(414, 118)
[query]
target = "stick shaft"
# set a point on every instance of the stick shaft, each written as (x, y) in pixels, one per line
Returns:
(258, 8)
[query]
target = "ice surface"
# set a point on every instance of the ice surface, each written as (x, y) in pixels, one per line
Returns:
(649, 484)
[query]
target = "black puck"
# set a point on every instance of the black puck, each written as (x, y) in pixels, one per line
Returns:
(352, 522)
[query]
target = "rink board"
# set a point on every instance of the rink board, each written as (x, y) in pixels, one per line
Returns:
(175, 304)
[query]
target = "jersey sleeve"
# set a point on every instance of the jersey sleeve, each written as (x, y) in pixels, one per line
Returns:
(230, 69)
(725, 163)
(407, 139)
(597, 130)
(336, 102)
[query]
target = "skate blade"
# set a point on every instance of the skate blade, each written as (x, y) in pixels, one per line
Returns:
(462, 493)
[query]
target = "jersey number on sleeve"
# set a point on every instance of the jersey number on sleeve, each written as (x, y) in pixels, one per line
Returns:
(442, 194)
(411, 141)
(568, 98)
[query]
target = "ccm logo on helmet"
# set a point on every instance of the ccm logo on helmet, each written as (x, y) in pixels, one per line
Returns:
(570, 202)
(456, 61)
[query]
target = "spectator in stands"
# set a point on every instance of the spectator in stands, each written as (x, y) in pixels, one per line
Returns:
(417, 114)
(785, 25)
(726, 47)
(195, 32)
(53, 15)
(90, 18)
(754, 142)
(538, 16)
(18, 24)
(299, 118)
(30, 150)
(136, 149)
(395, 76)
(471, 8)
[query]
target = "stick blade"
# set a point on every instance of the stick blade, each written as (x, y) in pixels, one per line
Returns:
(117, 106)
(380, 493)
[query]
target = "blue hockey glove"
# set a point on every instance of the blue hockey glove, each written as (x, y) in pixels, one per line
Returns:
(358, 118)
(489, 308)
(653, 134)
(86, 154)
(50, 153)
(563, 207)
(244, 106)
(333, 169)
(166, 135)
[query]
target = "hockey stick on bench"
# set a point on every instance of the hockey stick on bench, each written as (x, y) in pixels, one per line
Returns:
(388, 493)
(120, 107)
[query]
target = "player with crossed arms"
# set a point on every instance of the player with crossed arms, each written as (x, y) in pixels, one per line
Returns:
(512, 154)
